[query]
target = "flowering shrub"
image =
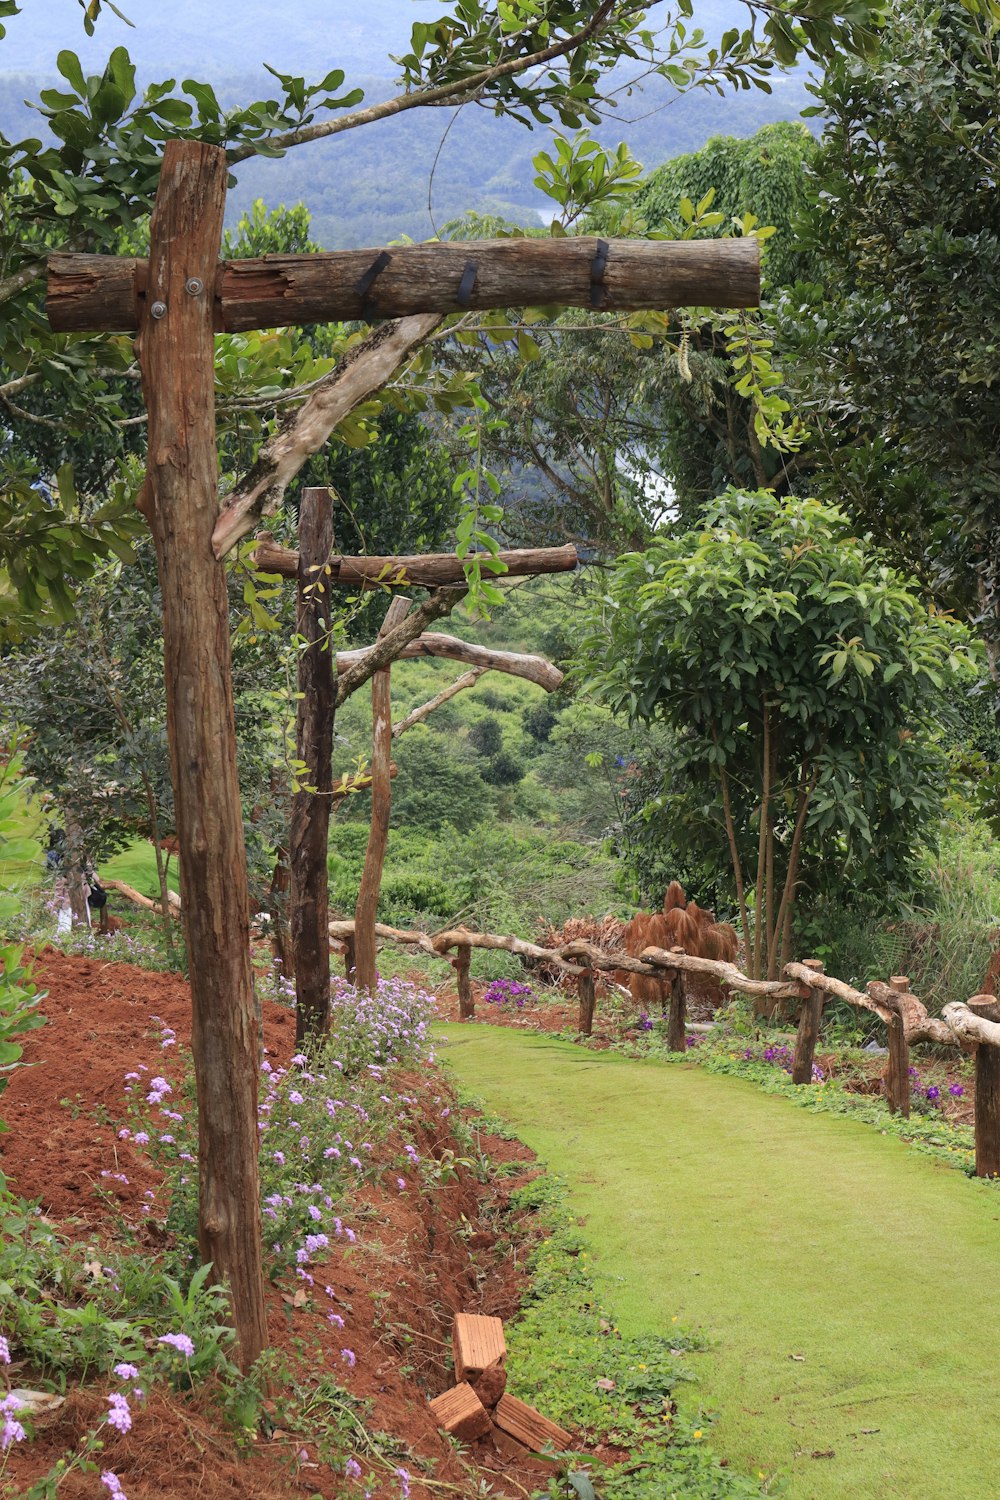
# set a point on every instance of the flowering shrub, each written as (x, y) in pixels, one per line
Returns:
(780, 1057)
(508, 992)
(318, 1120)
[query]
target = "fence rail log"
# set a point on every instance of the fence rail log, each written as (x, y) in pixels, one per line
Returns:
(726, 973)
(104, 293)
(420, 570)
(920, 1027)
(516, 664)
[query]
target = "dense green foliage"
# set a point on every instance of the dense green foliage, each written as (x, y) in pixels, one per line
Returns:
(805, 683)
(894, 347)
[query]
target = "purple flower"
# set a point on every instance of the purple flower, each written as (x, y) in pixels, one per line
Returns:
(349, 1357)
(933, 1093)
(645, 1022)
(352, 1469)
(4, 1351)
(119, 1416)
(956, 1090)
(126, 1372)
(114, 1485)
(404, 1482)
(178, 1341)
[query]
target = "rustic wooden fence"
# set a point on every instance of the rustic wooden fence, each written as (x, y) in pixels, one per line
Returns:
(972, 1025)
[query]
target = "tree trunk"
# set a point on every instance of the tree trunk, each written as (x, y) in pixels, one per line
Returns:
(366, 971)
(176, 352)
(309, 836)
(281, 937)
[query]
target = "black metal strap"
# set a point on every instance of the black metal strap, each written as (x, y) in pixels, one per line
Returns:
(598, 266)
(467, 283)
(369, 307)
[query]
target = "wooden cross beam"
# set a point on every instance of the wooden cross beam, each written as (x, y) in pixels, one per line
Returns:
(423, 570)
(111, 294)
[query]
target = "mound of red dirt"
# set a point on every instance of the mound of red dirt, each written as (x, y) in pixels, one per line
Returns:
(420, 1257)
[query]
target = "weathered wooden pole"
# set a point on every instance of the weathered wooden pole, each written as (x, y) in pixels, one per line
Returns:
(677, 1019)
(810, 1020)
(309, 834)
(587, 992)
(897, 1073)
(987, 1092)
(466, 999)
(365, 953)
(179, 498)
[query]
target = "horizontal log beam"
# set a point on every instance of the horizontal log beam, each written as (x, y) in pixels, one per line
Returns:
(104, 294)
(533, 668)
(725, 973)
(421, 570)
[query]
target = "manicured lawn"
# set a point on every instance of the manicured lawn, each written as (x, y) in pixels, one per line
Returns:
(849, 1286)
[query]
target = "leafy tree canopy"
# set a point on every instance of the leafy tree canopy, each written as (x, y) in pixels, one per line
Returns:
(805, 682)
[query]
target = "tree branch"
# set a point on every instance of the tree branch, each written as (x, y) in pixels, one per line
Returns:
(366, 369)
(391, 645)
(456, 92)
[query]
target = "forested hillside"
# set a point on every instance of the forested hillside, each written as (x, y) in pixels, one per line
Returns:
(404, 176)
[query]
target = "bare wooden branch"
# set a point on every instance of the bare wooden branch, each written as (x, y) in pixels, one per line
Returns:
(365, 956)
(392, 645)
(416, 715)
(138, 899)
(727, 974)
(422, 570)
(368, 367)
(534, 668)
(104, 294)
(309, 830)
(972, 1029)
(835, 987)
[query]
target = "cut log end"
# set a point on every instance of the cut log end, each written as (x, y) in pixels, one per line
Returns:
(528, 1426)
(477, 1342)
(461, 1413)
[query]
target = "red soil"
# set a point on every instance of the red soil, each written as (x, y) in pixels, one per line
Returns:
(420, 1258)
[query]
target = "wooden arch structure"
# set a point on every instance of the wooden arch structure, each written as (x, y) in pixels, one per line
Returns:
(176, 301)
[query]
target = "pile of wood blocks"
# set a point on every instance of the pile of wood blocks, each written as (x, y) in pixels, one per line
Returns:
(478, 1405)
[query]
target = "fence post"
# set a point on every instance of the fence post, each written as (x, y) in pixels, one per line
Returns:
(676, 1024)
(810, 1019)
(588, 996)
(897, 1077)
(466, 999)
(987, 1094)
(349, 957)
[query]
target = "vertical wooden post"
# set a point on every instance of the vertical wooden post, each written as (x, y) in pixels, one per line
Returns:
(466, 999)
(897, 1073)
(987, 1095)
(350, 964)
(810, 1020)
(588, 996)
(179, 498)
(309, 834)
(366, 972)
(677, 1022)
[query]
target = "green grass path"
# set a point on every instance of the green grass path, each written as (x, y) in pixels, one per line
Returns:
(779, 1233)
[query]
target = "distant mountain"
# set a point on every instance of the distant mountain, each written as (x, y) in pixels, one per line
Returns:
(371, 186)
